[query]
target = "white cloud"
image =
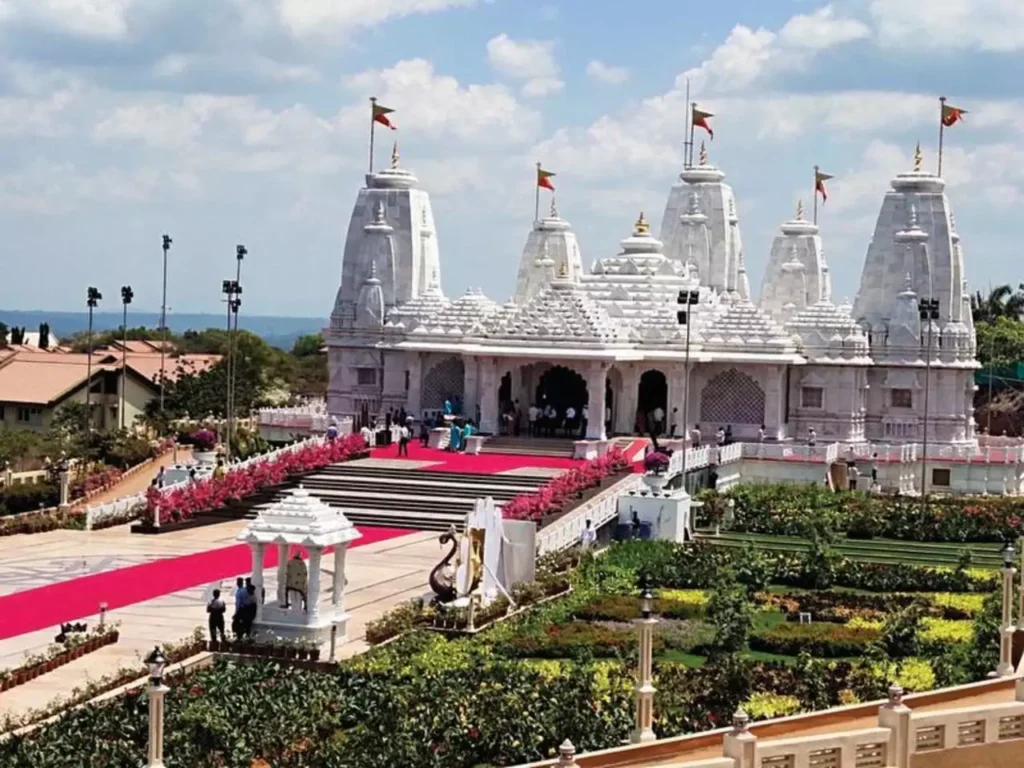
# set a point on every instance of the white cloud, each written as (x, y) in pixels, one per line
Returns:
(987, 25)
(606, 73)
(529, 60)
(821, 29)
(102, 19)
(322, 18)
(433, 105)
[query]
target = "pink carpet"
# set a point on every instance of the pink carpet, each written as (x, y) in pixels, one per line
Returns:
(48, 606)
(484, 463)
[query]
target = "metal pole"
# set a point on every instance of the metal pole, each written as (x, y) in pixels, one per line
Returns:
(686, 388)
(991, 344)
(942, 129)
(88, 368)
(373, 103)
(124, 355)
(163, 323)
(687, 144)
(229, 291)
(693, 106)
(536, 199)
(924, 435)
(816, 194)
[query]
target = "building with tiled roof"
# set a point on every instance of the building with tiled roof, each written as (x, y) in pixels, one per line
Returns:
(616, 335)
(35, 382)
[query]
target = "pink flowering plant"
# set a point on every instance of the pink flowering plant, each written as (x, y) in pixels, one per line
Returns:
(204, 439)
(555, 494)
(215, 492)
(656, 462)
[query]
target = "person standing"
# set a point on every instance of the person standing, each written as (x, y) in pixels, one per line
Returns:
(403, 441)
(236, 619)
(216, 609)
(761, 434)
(674, 423)
(570, 420)
(424, 432)
(332, 431)
(659, 420)
(812, 437)
(695, 436)
(160, 477)
(584, 421)
(589, 537)
(532, 415)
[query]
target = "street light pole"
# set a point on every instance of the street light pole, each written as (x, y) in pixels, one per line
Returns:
(644, 726)
(929, 311)
(126, 298)
(92, 298)
(1007, 628)
(228, 288)
(157, 690)
(686, 299)
(240, 253)
(163, 322)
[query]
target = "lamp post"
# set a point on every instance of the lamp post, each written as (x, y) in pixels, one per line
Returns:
(240, 253)
(686, 300)
(126, 298)
(157, 662)
(929, 312)
(92, 298)
(163, 322)
(1007, 629)
(644, 730)
(231, 289)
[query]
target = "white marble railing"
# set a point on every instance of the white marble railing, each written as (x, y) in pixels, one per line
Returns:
(826, 453)
(568, 529)
(866, 747)
(969, 727)
(371, 435)
(999, 441)
(311, 418)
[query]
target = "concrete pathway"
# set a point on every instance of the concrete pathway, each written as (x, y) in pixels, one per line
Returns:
(140, 480)
(380, 576)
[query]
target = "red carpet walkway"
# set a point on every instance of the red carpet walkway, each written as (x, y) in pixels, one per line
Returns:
(53, 604)
(484, 463)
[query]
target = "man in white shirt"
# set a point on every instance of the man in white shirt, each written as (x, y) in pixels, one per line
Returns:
(403, 441)
(589, 537)
(761, 434)
(533, 414)
(674, 424)
(570, 420)
(812, 437)
(695, 436)
(659, 420)
(584, 420)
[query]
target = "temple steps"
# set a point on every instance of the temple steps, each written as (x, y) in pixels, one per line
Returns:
(404, 498)
(560, 447)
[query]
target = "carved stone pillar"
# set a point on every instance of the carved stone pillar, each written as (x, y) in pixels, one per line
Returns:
(257, 575)
(313, 598)
(596, 377)
(775, 404)
(282, 574)
(414, 397)
(676, 388)
(625, 417)
(338, 593)
(488, 387)
(472, 387)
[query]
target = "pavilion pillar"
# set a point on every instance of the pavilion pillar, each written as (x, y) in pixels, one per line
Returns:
(519, 388)
(313, 595)
(775, 404)
(676, 387)
(596, 377)
(625, 416)
(414, 397)
(338, 593)
(282, 574)
(257, 575)
(471, 387)
(488, 396)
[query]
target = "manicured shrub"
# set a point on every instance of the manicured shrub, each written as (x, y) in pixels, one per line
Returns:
(946, 631)
(28, 497)
(573, 639)
(823, 640)
(765, 705)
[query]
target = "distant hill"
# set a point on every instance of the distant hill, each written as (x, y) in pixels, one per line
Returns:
(279, 331)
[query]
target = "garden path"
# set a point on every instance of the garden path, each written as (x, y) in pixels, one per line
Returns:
(140, 480)
(381, 574)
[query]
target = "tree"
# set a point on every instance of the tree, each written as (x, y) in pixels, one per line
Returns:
(1001, 302)
(1000, 342)
(4, 330)
(730, 612)
(17, 444)
(308, 345)
(44, 335)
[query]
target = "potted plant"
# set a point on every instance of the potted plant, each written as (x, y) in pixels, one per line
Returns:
(314, 652)
(204, 441)
(655, 466)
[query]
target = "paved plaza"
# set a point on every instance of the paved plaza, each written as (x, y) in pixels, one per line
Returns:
(380, 575)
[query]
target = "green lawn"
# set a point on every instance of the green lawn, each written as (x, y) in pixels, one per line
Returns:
(873, 550)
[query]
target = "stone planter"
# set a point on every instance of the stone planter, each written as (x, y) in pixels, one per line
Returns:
(205, 457)
(655, 482)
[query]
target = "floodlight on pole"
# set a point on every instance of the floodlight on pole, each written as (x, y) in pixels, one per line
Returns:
(686, 300)
(928, 309)
(92, 299)
(163, 321)
(126, 298)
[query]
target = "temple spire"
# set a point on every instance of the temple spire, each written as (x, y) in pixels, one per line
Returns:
(394, 155)
(703, 154)
(641, 227)
(800, 210)
(918, 158)
(554, 208)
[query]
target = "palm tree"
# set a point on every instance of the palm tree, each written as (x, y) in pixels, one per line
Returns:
(1000, 302)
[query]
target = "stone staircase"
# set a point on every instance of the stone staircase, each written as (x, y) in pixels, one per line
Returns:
(406, 498)
(558, 447)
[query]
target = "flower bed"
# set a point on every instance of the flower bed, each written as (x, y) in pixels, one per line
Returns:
(842, 607)
(785, 509)
(551, 497)
(57, 655)
(824, 640)
(185, 503)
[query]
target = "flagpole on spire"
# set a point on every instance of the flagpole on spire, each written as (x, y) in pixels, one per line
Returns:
(373, 122)
(942, 129)
(536, 200)
(816, 171)
(687, 145)
(693, 106)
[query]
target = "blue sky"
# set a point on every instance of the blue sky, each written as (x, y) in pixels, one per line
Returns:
(244, 121)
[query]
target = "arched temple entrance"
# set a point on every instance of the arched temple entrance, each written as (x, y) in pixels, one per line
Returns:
(732, 397)
(652, 394)
(445, 381)
(562, 387)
